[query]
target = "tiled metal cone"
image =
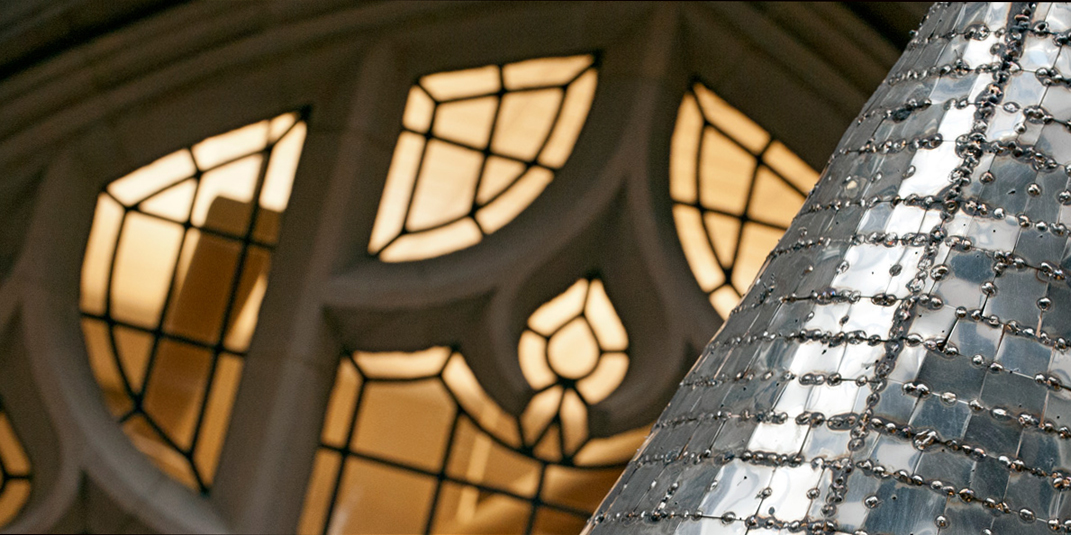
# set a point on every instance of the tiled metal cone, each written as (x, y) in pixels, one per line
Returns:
(902, 363)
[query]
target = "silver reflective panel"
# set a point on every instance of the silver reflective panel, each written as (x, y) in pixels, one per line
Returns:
(901, 365)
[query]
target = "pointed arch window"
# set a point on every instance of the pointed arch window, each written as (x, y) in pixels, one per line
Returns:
(173, 276)
(477, 147)
(735, 190)
(417, 428)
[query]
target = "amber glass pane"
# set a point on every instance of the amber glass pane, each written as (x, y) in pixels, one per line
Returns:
(756, 241)
(790, 166)
(116, 386)
(556, 312)
(574, 353)
(604, 378)
(577, 487)
(445, 186)
(453, 460)
(543, 71)
(338, 423)
(157, 176)
(467, 509)
(217, 413)
(14, 472)
(532, 352)
(473, 154)
(321, 488)
(735, 191)
(16, 493)
(549, 521)
(725, 170)
(400, 365)
(730, 120)
(176, 388)
(540, 413)
(142, 268)
(477, 404)
(174, 273)
(697, 247)
(405, 422)
(724, 300)
(368, 490)
(477, 458)
(598, 451)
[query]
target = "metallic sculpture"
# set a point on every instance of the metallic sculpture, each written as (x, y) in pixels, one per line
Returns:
(902, 363)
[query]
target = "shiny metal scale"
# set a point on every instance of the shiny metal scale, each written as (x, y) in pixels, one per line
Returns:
(902, 364)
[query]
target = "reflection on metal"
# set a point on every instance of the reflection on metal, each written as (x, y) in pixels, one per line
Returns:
(173, 276)
(902, 363)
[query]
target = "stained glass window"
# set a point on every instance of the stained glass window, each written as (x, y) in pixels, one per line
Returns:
(574, 353)
(411, 442)
(174, 273)
(735, 190)
(477, 147)
(179, 252)
(14, 471)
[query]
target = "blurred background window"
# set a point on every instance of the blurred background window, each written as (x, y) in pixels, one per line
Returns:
(14, 471)
(416, 430)
(460, 140)
(735, 190)
(477, 147)
(174, 273)
(177, 264)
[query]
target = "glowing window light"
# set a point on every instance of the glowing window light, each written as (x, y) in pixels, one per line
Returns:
(734, 190)
(15, 472)
(173, 276)
(415, 432)
(476, 148)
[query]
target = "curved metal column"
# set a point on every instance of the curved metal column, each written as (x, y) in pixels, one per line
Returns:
(902, 363)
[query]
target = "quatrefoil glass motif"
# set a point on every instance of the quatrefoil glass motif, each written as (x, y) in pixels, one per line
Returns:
(574, 354)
